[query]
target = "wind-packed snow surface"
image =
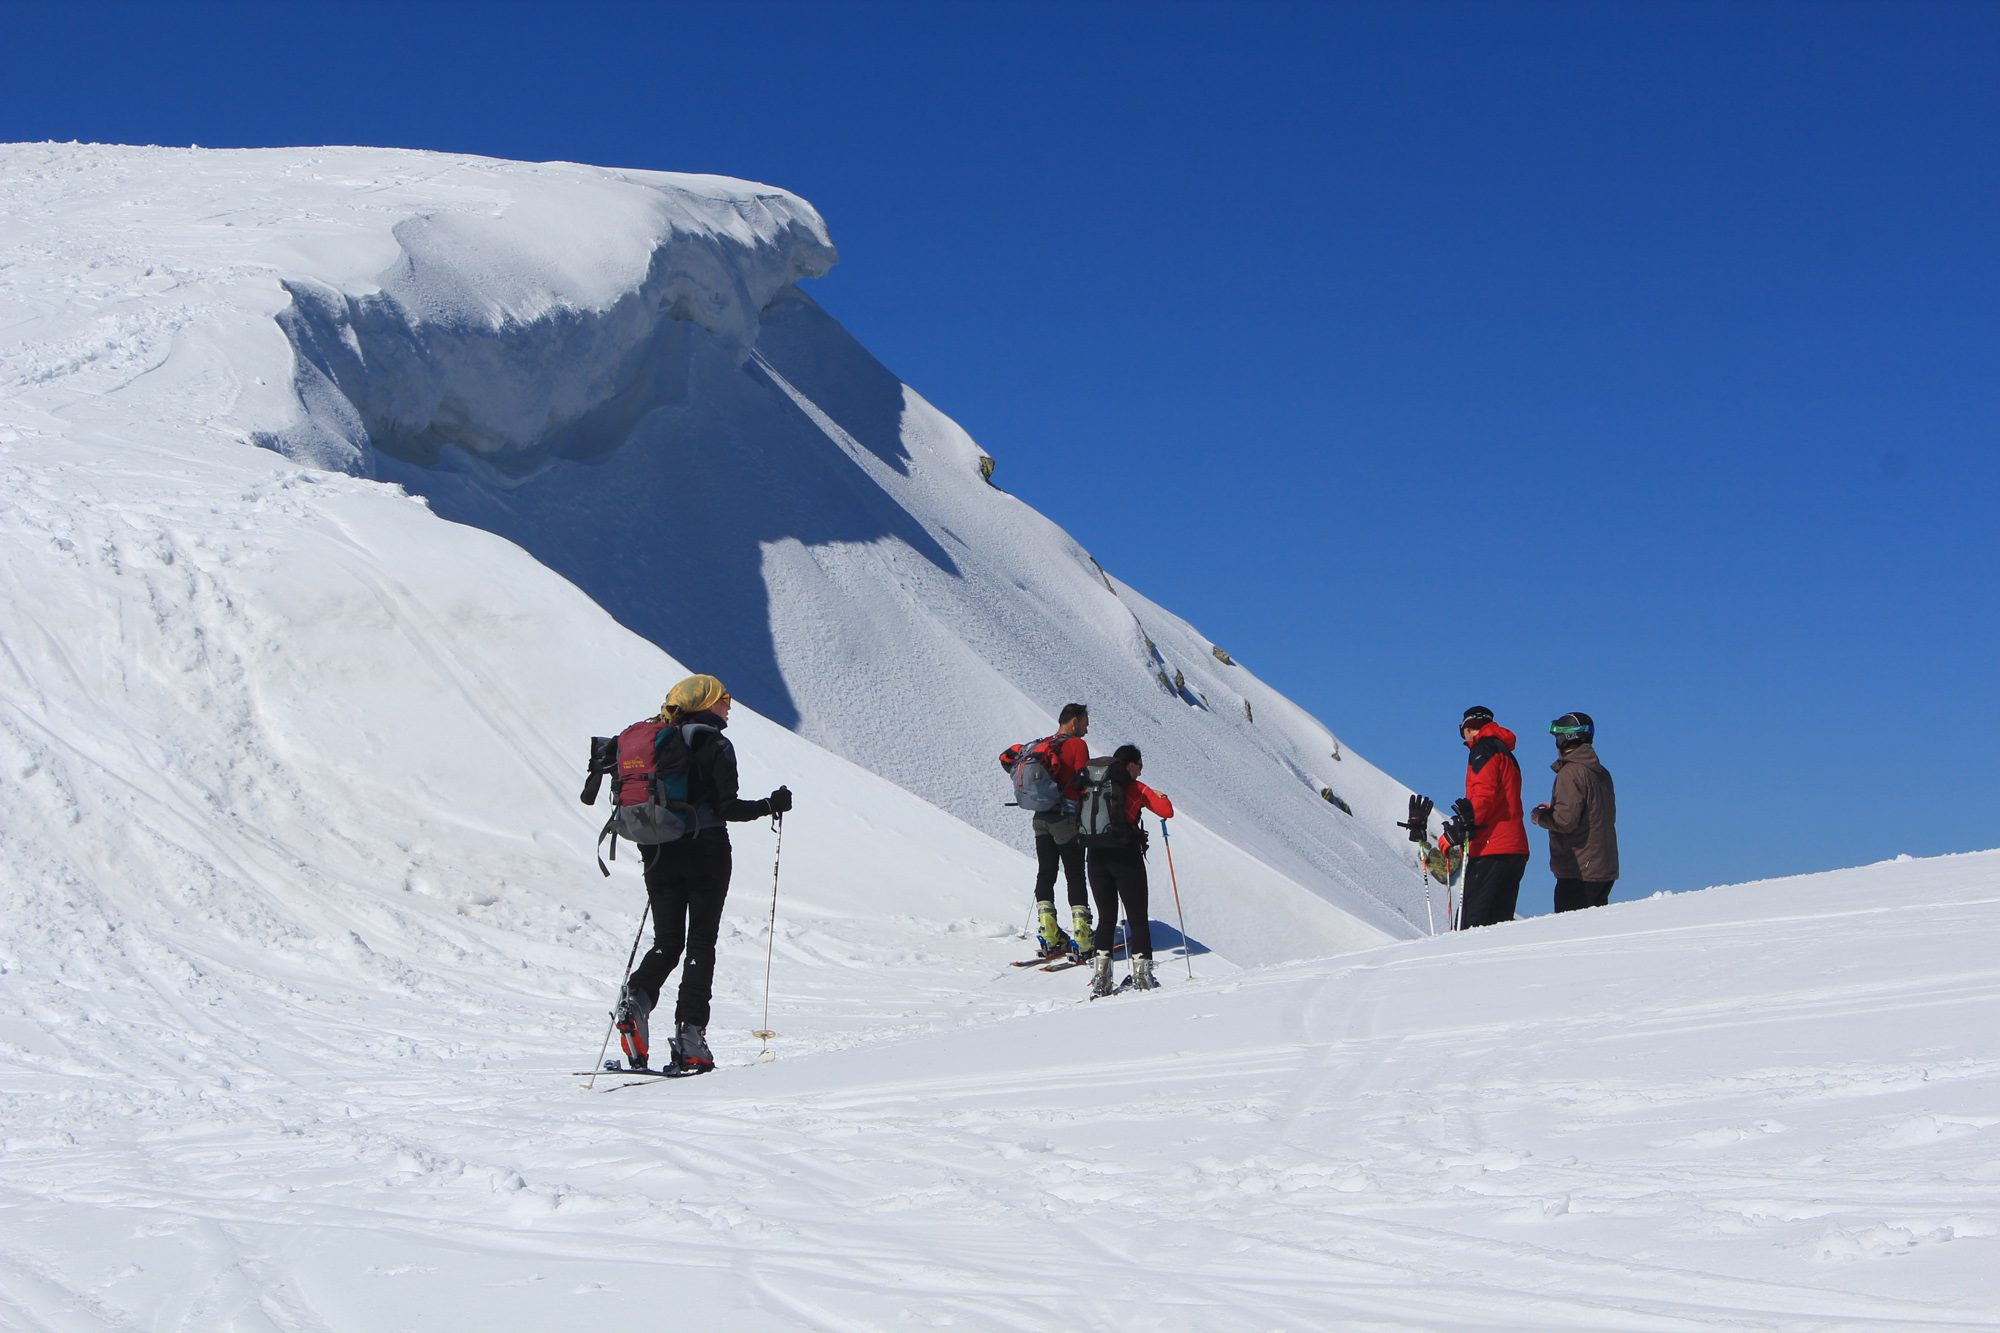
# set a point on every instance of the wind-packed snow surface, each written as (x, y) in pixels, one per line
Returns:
(301, 936)
(1765, 1107)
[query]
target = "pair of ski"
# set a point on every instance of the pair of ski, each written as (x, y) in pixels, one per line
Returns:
(639, 1078)
(1063, 962)
(1060, 962)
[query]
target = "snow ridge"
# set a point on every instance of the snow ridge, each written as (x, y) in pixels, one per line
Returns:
(709, 456)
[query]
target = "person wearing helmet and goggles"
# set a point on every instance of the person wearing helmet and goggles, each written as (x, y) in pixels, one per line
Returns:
(1581, 817)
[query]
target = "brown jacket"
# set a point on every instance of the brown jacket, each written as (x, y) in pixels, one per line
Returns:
(1582, 819)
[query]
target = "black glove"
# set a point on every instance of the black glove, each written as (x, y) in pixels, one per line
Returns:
(781, 800)
(1460, 827)
(1419, 821)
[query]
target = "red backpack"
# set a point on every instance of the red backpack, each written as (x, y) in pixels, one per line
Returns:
(641, 763)
(649, 763)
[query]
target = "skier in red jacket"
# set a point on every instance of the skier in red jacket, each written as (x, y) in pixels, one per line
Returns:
(1118, 872)
(1488, 822)
(1056, 845)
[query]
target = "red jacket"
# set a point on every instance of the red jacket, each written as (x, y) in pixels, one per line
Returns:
(1139, 796)
(1071, 756)
(1493, 785)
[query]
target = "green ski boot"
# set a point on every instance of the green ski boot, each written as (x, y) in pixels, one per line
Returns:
(1079, 925)
(1049, 935)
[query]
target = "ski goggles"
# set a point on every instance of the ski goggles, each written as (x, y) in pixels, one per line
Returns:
(1567, 725)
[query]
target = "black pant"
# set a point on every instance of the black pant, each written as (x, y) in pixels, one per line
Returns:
(1572, 894)
(686, 882)
(1492, 888)
(1117, 874)
(1069, 855)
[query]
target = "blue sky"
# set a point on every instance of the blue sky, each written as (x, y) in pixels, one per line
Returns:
(1637, 359)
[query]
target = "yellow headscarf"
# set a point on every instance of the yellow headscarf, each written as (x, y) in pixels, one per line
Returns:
(696, 694)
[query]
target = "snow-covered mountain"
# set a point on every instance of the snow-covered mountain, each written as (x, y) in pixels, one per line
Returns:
(617, 371)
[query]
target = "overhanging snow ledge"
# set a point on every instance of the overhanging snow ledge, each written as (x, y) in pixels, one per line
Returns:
(472, 341)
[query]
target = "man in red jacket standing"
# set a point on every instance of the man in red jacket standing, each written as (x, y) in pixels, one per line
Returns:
(1056, 844)
(1488, 821)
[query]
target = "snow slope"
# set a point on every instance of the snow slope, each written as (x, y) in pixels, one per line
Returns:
(617, 371)
(1766, 1107)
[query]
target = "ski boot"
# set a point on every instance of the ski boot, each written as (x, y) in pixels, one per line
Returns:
(1100, 974)
(1049, 935)
(631, 1016)
(690, 1047)
(1142, 975)
(1080, 932)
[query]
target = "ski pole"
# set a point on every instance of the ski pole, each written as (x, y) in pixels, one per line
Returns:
(764, 1033)
(1424, 868)
(1187, 945)
(622, 982)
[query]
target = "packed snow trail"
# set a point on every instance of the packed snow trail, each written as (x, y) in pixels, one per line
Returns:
(1770, 1106)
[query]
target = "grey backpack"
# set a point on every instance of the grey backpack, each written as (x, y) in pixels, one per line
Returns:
(1032, 766)
(1101, 818)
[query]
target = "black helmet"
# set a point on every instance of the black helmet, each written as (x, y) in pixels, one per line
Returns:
(1573, 729)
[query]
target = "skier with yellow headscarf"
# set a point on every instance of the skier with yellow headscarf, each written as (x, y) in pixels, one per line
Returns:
(688, 880)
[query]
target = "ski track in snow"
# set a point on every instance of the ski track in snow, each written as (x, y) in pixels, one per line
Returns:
(1350, 1141)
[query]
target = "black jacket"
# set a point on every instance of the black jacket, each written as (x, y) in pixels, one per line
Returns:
(712, 781)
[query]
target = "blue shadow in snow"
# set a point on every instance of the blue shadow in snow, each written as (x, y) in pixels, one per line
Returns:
(666, 527)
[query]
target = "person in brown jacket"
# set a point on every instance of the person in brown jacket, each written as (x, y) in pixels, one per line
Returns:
(1581, 817)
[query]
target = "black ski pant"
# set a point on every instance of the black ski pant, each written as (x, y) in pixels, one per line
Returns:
(1492, 889)
(686, 882)
(1572, 894)
(1066, 854)
(1119, 874)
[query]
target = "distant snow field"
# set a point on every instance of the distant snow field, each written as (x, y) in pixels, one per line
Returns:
(345, 493)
